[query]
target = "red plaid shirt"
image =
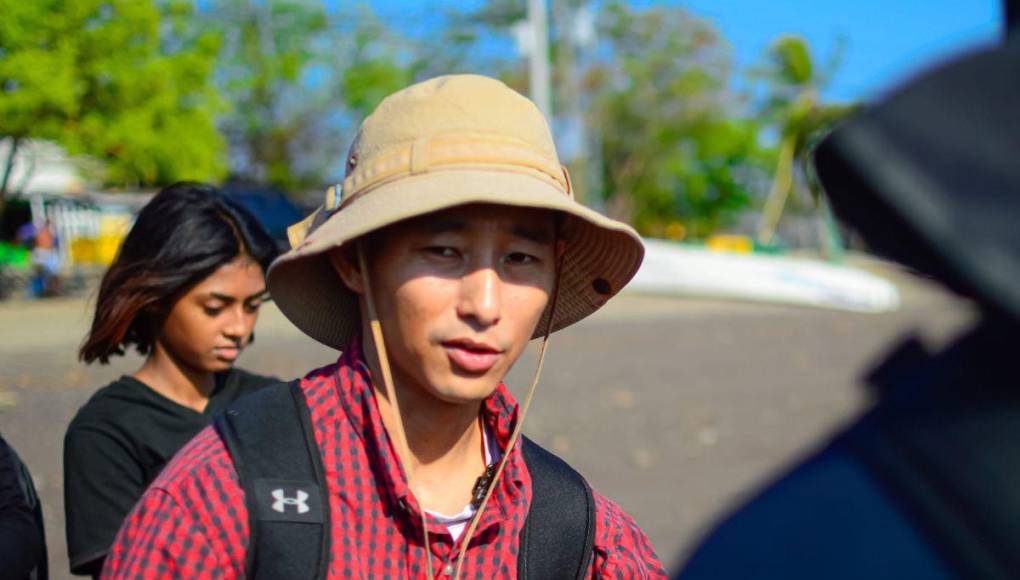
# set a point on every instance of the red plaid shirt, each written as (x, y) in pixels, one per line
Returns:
(192, 521)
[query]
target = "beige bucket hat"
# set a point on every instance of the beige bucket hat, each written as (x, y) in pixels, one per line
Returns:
(441, 143)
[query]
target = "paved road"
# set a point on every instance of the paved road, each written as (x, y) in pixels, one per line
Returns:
(674, 408)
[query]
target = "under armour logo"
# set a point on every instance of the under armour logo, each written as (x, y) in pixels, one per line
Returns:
(282, 501)
(287, 500)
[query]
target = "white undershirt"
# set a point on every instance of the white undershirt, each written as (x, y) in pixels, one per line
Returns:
(455, 524)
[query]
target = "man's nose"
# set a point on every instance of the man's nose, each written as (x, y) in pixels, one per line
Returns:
(480, 297)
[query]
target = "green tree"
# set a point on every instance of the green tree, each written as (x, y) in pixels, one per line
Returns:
(298, 78)
(668, 146)
(378, 64)
(793, 107)
(117, 80)
(674, 146)
(275, 123)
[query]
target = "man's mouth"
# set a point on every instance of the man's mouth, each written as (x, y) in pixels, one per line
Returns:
(470, 356)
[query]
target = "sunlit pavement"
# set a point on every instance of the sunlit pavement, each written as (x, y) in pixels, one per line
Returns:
(674, 408)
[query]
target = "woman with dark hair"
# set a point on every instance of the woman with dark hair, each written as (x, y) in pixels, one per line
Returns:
(184, 291)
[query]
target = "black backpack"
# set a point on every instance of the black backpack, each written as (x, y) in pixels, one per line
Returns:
(41, 570)
(271, 441)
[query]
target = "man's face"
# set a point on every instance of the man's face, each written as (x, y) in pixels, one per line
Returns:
(459, 294)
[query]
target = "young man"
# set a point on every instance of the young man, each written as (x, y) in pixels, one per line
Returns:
(454, 242)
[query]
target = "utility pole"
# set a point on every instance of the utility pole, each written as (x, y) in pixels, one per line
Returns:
(571, 122)
(539, 70)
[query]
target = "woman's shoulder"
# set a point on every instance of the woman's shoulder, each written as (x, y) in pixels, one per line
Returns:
(110, 404)
(248, 381)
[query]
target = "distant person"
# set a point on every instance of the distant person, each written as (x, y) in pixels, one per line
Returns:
(22, 538)
(456, 240)
(25, 236)
(185, 291)
(43, 246)
(926, 484)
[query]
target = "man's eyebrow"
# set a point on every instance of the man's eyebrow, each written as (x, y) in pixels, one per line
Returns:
(537, 235)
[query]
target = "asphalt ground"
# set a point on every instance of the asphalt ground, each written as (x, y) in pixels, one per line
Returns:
(674, 408)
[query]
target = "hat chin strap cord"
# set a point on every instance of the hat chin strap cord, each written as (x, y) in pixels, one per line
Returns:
(401, 436)
(515, 436)
(404, 451)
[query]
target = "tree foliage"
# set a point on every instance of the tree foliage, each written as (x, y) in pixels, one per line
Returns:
(117, 80)
(297, 78)
(276, 114)
(375, 67)
(674, 147)
(678, 148)
(667, 142)
(794, 109)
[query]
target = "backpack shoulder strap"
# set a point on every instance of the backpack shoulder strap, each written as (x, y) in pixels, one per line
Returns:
(558, 537)
(271, 441)
(27, 485)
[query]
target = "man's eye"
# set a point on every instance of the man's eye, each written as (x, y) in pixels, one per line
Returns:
(521, 258)
(212, 310)
(253, 307)
(441, 251)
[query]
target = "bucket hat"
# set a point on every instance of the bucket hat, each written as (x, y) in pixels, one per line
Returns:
(930, 176)
(446, 142)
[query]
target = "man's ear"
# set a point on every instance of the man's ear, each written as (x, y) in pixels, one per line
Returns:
(346, 266)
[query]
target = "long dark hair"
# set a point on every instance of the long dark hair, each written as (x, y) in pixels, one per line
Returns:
(181, 237)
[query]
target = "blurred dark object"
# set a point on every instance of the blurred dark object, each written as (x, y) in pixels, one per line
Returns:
(16, 214)
(924, 485)
(1011, 13)
(930, 177)
(274, 210)
(22, 540)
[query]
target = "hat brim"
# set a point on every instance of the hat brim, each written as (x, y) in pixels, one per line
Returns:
(601, 255)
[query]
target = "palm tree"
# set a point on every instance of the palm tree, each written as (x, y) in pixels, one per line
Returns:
(801, 118)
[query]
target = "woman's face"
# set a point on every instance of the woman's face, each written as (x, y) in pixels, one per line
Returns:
(210, 325)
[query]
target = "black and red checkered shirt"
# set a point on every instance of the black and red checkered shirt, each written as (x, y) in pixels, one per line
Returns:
(192, 521)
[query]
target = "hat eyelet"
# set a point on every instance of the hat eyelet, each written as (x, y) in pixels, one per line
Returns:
(601, 286)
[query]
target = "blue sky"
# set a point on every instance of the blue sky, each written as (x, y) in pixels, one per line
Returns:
(886, 41)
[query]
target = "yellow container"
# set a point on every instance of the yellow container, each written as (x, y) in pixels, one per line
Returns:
(83, 251)
(731, 244)
(101, 251)
(107, 247)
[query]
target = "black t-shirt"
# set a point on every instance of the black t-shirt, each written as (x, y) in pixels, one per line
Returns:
(117, 444)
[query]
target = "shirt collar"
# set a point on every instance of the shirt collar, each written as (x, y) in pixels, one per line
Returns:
(500, 410)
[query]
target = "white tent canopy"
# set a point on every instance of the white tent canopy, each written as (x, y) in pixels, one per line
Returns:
(41, 167)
